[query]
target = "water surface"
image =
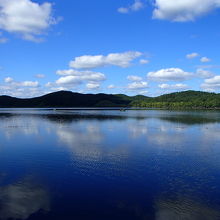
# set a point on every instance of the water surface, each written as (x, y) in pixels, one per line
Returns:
(109, 165)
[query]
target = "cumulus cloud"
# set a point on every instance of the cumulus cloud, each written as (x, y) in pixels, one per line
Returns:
(8, 79)
(93, 86)
(22, 92)
(211, 84)
(178, 86)
(143, 92)
(40, 76)
(23, 83)
(21, 200)
(49, 84)
(111, 86)
(137, 85)
(29, 83)
(75, 77)
(113, 59)
(134, 78)
(21, 89)
(183, 10)
(205, 60)
(55, 88)
(170, 74)
(204, 73)
(192, 55)
(136, 6)
(68, 80)
(144, 61)
(26, 18)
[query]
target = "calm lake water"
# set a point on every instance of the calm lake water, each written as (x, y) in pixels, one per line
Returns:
(109, 165)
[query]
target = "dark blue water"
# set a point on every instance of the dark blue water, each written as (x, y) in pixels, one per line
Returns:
(109, 165)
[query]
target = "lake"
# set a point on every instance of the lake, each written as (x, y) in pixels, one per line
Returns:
(109, 165)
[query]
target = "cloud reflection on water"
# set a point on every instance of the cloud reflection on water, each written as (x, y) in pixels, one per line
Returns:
(82, 141)
(22, 199)
(184, 209)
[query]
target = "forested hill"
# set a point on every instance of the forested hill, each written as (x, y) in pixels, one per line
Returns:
(70, 99)
(186, 99)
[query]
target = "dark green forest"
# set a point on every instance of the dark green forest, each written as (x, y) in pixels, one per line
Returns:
(186, 99)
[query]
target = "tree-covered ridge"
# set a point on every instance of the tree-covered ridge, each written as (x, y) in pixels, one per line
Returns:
(186, 99)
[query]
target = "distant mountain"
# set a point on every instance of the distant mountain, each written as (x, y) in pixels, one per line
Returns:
(68, 99)
(189, 99)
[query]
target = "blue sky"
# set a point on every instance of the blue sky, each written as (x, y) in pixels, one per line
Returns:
(148, 47)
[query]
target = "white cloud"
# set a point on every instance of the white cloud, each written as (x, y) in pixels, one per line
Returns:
(26, 18)
(144, 92)
(183, 10)
(209, 66)
(214, 80)
(83, 75)
(3, 40)
(75, 77)
(40, 76)
(92, 86)
(192, 55)
(21, 89)
(49, 84)
(143, 61)
(137, 85)
(13, 83)
(68, 80)
(171, 74)
(123, 10)
(208, 89)
(136, 6)
(21, 200)
(4, 88)
(204, 73)
(8, 80)
(205, 60)
(111, 86)
(29, 83)
(112, 59)
(179, 86)
(134, 78)
(60, 88)
(211, 84)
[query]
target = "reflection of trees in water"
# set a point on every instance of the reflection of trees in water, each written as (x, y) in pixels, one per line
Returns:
(68, 118)
(187, 118)
(64, 117)
(20, 200)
